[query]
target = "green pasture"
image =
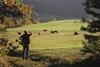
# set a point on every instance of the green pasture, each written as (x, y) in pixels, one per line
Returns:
(64, 39)
(61, 25)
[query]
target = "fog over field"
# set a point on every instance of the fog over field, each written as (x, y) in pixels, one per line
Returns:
(62, 9)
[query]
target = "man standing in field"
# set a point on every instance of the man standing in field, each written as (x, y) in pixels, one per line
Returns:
(25, 39)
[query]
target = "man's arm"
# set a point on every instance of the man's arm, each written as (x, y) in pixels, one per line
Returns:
(20, 37)
(30, 33)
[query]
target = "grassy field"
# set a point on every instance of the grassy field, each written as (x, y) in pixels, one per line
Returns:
(64, 39)
(47, 47)
(46, 40)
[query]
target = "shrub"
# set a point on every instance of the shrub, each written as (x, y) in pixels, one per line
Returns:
(91, 45)
(83, 28)
(2, 27)
(9, 22)
(6, 47)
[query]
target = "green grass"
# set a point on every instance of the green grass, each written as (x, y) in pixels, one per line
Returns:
(63, 25)
(63, 39)
(63, 45)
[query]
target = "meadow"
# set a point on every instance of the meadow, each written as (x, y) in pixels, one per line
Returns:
(65, 37)
(47, 47)
(64, 41)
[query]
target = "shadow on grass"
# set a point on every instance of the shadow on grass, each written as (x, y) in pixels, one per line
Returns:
(57, 62)
(15, 53)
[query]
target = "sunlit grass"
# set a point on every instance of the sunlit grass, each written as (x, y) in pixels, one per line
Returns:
(64, 25)
(63, 45)
(64, 39)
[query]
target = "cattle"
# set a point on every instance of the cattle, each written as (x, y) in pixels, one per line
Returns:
(52, 32)
(45, 30)
(75, 33)
(56, 31)
(39, 34)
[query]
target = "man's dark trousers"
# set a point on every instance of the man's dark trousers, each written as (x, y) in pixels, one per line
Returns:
(25, 51)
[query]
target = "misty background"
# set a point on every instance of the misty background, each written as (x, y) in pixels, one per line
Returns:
(59, 9)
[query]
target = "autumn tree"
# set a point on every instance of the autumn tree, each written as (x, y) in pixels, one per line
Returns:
(15, 9)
